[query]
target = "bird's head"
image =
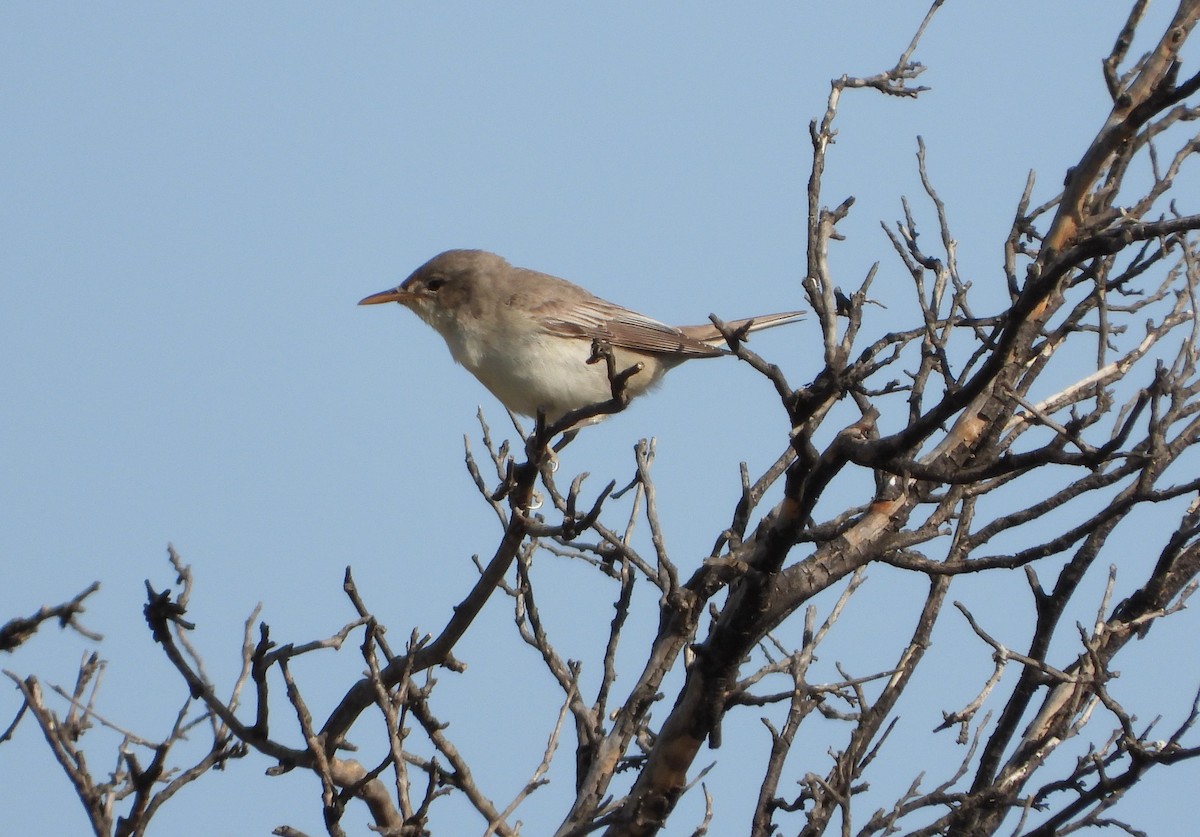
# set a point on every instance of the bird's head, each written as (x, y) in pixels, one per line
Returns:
(444, 287)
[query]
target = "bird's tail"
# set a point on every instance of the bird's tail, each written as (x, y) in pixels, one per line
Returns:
(709, 334)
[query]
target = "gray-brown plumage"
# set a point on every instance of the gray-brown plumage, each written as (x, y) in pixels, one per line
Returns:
(527, 336)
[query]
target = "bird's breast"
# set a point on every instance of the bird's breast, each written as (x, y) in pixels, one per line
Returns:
(538, 371)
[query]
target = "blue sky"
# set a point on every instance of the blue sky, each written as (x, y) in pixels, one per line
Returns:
(196, 196)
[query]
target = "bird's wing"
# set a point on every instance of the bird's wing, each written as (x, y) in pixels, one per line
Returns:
(596, 319)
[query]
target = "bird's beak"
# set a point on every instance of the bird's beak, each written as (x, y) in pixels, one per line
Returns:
(390, 295)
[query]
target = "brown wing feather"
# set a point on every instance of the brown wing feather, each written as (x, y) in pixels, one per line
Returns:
(597, 319)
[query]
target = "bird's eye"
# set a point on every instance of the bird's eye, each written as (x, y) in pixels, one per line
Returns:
(435, 282)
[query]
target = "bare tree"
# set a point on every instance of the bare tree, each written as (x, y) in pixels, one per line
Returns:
(974, 429)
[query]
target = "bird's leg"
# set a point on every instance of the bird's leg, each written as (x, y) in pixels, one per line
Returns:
(537, 444)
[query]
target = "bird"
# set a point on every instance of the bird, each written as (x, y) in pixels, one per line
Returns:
(530, 338)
